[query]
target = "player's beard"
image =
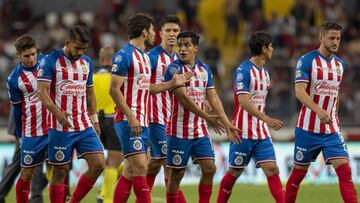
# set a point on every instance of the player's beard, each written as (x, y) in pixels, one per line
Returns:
(330, 50)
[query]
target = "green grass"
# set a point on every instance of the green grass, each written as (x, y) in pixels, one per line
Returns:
(241, 193)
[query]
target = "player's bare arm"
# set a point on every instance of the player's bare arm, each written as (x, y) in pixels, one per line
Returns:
(176, 81)
(304, 98)
(116, 82)
(43, 89)
(217, 107)
(245, 103)
(189, 104)
(91, 107)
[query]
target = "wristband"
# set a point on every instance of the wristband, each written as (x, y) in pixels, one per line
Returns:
(94, 118)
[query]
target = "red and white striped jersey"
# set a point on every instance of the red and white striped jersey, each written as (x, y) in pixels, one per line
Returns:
(69, 80)
(160, 103)
(135, 65)
(22, 90)
(249, 79)
(183, 123)
(323, 77)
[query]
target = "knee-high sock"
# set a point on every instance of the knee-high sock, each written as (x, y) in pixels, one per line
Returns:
(122, 190)
(82, 188)
(346, 184)
(180, 195)
(141, 189)
(293, 184)
(205, 191)
(276, 188)
(225, 188)
(172, 197)
(57, 193)
(108, 185)
(22, 191)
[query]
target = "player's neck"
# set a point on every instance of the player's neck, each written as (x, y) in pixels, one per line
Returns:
(169, 49)
(324, 52)
(138, 43)
(258, 61)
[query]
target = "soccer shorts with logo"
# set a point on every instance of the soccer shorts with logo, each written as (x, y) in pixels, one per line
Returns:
(179, 150)
(308, 145)
(62, 145)
(131, 144)
(260, 150)
(157, 141)
(33, 150)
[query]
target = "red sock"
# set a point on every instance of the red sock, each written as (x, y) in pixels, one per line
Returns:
(346, 185)
(141, 189)
(172, 197)
(22, 191)
(150, 181)
(205, 191)
(276, 188)
(225, 188)
(82, 188)
(181, 196)
(57, 193)
(293, 184)
(122, 190)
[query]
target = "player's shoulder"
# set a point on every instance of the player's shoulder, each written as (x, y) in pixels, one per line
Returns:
(14, 74)
(244, 66)
(124, 53)
(339, 59)
(155, 51)
(309, 56)
(204, 65)
(86, 58)
(176, 63)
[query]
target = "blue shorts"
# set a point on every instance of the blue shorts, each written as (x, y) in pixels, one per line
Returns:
(157, 141)
(260, 150)
(308, 146)
(62, 145)
(179, 151)
(33, 150)
(130, 144)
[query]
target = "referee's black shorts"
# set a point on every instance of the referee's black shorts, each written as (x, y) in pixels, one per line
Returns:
(108, 135)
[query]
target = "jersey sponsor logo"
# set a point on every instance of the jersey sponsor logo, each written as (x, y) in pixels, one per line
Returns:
(118, 59)
(40, 73)
(177, 160)
(143, 81)
(28, 159)
(174, 69)
(239, 77)
(299, 155)
(240, 85)
(33, 98)
(59, 155)
(198, 96)
(298, 73)
(299, 64)
(239, 160)
(164, 148)
(325, 88)
(42, 62)
(69, 87)
(137, 145)
(114, 68)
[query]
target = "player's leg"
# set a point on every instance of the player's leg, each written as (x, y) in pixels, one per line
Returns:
(38, 184)
(178, 154)
(264, 155)
(239, 157)
(336, 153)
(32, 154)
(88, 147)
(307, 147)
(203, 153)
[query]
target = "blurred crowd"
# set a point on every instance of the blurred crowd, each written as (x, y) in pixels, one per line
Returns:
(294, 34)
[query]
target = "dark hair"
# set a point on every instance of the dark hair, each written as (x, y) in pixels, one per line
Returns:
(23, 43)
(257, 41)
(79, 33)
(329, 26)
(138, 23)
(170, 19)
(188, 34)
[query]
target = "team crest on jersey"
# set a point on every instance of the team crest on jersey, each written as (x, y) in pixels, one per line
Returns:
(164, 148)
(239, 85)
(338, 70)
(118, 59)
(177, 160)
(137, 145)
(202, 76)
(28, 159)
(59, 155)
(114, 68)
(85, 68)
(299, 155)
(239, 77)
(298, 73)
(239, 160)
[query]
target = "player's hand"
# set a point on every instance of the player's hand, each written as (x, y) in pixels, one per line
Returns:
(214, 121)
(232, 133)
(274, 123)
(324, 116)
(62, 118)
(180, 79)
(97, 128)
(135, 126)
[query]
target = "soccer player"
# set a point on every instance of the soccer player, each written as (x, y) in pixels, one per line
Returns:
(187, 133)
(29, 113)
(160, 57)
(251, 85)
(105, 108)
(317, 81)
(65, 87)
